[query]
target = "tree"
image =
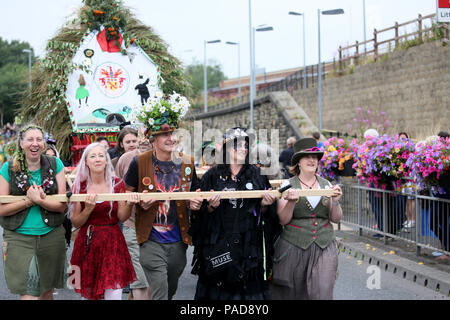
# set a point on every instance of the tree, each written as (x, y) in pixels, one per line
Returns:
(13, 83)
(13, 77)
(195, 75)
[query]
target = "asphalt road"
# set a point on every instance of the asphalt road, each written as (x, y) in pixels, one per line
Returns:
(357, 280)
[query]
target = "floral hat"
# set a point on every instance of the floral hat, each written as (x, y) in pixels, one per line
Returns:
(162, 113)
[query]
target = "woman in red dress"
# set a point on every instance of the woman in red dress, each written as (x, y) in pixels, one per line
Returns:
(100, 255)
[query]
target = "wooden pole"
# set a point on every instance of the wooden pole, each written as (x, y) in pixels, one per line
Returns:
(252, 194)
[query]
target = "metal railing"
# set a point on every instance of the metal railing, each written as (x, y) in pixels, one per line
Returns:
(385, 213)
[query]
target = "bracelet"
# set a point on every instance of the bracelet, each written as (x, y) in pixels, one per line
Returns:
(336, 203)
(26, 205)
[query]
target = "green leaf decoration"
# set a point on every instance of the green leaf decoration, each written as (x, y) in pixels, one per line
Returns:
(46, 106)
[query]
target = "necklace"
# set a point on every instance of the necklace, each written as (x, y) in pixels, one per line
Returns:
(158, 169)
(307, 185)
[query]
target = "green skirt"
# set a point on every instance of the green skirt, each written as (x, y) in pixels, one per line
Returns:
(81, 93)
(34, 264)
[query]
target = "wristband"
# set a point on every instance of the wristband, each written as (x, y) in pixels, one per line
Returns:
(26, 205)
(336, 203)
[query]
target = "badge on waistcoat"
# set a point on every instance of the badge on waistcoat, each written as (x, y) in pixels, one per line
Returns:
(146, 181)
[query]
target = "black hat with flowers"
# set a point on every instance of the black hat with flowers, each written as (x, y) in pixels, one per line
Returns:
(304, 147)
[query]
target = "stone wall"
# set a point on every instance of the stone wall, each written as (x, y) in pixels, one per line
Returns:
(267, 114)
(411, 86)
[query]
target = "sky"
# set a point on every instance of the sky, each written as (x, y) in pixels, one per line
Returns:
(185, 24)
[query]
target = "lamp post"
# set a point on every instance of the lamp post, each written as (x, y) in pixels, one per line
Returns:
(304, 45)
(239, 65)
(319, 76)
(29, 66)
(205, 85)
(253, 67)
(364, 18)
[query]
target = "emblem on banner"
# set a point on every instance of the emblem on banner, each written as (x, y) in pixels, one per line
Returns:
(112, 79)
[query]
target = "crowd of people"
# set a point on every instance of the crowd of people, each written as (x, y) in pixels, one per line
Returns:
(244, 248)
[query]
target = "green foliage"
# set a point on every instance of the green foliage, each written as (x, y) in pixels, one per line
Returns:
(13, 83)
(13, 77)
(195, 75)
(12, 52)
(46, 105)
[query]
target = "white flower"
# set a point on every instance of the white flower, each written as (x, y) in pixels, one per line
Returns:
(162, 109)
(175, 108)
(151, 121)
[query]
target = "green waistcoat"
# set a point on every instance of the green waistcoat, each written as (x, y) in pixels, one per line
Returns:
(309, 224)
(17, 187)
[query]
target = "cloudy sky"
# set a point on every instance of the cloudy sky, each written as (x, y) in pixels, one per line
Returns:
(185, 24)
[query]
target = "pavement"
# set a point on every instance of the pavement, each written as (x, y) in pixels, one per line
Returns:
(397, 256)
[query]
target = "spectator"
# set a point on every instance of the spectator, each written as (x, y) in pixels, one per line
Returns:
(410, 201)
(320, 145)
(306, 254)
(104, 141)
(33, 271)
(127, 140)
(233, 228)
(100, 250)
(285, 157)
(443, 134)
(371, 133)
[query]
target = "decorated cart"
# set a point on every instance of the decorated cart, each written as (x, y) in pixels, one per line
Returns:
(98, 69)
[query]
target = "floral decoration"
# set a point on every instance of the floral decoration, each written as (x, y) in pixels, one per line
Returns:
(337, 152)
(430, 163)
(162, 112)
(381, 161)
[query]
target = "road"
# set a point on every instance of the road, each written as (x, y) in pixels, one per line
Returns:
(357, 280)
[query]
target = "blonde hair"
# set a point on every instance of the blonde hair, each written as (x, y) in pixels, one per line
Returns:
(83, 175)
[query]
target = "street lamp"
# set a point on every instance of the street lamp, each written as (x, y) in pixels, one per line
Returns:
(319, 76)
(304, 46)
(253, 67)
(239, 65)
(205, 94)
(364, 16)
(29, 65)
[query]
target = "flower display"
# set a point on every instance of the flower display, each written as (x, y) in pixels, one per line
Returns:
(337, 152)
(380, 161)
(162, 112)
(430, 163)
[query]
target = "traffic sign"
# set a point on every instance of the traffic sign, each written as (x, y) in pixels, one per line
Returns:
(443, 10)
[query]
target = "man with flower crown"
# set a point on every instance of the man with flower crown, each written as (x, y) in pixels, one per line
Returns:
(162, 226)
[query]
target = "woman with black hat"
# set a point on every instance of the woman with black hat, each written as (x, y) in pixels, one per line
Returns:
(232, 237)
(306, 254)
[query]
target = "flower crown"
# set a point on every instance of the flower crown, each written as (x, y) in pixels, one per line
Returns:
(162, 113)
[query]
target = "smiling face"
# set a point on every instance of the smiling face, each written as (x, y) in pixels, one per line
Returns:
(96, 159)
(308, 163)
(32, 143)
(238, 152)
(165, 142)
